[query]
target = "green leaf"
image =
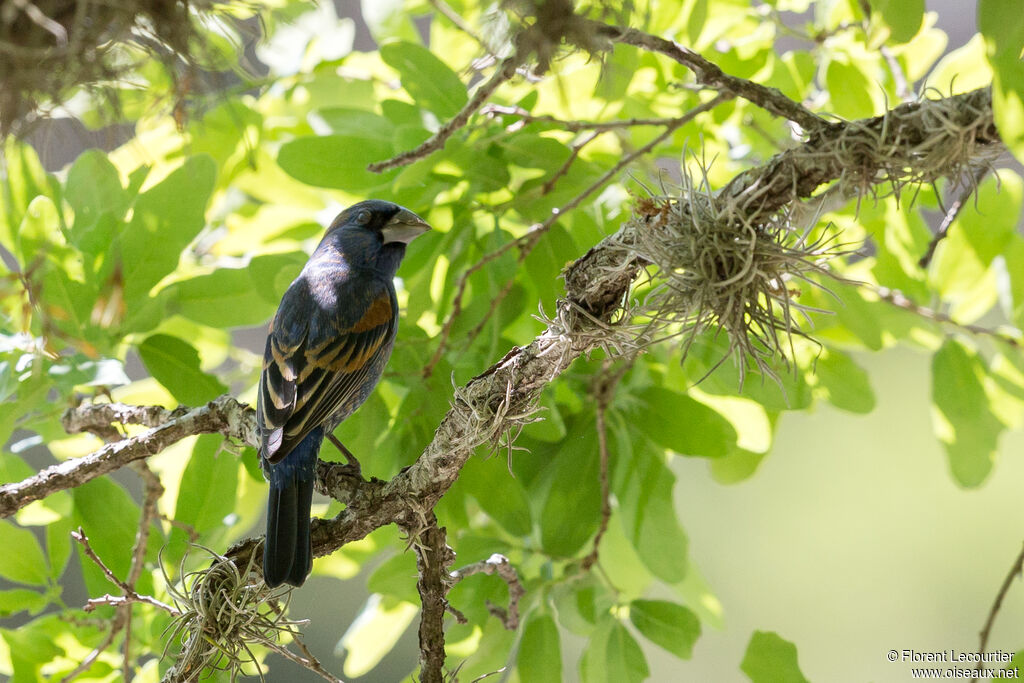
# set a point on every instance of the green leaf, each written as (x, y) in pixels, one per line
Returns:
(21, 600)
(848, 90)
(481, 478)
(40, 234)
(843, 383)
(644, 490)
(573, 503)
(175, 364)
(991, 221)
(24, 180)
(396, 578)
(110, 520)
(581, 603)
(613, 656)
(58, 545)
(357, 122)
(771, 659)
(224, 298)
(961, 412)
(999, 21)
(677, 422)
(30, 647)
(166, 218)
(540, 654)
(22, 559)
(903, 17)
(272, 273)
(667, 624)
(432, 84)
(93, 188)
(336, 161)
(206, 495)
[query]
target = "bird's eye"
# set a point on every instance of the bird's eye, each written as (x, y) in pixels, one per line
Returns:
(363, 217)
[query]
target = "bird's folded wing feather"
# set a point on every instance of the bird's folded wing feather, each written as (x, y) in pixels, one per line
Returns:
(314, 364)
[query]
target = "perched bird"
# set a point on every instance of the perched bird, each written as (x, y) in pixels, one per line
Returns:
(326, 349)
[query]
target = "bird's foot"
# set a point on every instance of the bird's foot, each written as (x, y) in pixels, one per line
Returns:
(351, 463)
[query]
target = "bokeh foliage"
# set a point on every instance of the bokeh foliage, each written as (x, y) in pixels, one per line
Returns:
(159, 249)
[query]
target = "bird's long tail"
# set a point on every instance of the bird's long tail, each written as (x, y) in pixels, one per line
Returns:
(287, 554)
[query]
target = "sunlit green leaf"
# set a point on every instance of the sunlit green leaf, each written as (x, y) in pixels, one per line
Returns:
(843, 383)
(771, 659)
(672, 626)
(961, 413)
(675, 421)
(175, 364)
(22, 560)
(337, 161)
(431, 83)
(21, 600)
(903, 17)
(224, 298)
(1004, 37)
(206, 495)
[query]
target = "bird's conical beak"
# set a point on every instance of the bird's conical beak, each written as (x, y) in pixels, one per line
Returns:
(404, 227)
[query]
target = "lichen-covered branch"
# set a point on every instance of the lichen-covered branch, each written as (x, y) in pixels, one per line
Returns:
(433, 557)
(224, 416)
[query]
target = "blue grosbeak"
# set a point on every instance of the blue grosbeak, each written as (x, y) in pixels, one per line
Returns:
(326, 349)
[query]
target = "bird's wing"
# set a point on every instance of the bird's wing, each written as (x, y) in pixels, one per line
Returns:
(316, 361)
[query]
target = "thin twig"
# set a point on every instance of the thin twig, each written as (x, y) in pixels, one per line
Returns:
(504, 72)
(129, 594)
(498, 565)
(951, 215)
(711, 75)
(91, 658)
(1015, 571)
(306, 659)
(900, 300)
(130, 598)
(153, 490)
(572, 126)
(574, 153)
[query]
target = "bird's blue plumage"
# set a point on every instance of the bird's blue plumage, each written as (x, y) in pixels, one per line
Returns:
(326, 350)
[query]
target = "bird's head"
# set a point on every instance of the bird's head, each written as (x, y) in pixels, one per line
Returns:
(381, 228)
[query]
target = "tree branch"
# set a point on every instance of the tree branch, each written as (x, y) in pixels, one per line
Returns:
(224, 416)
(433, 557)
(498, 565)
(711, 75)
(1015, 571)
(505, 71)
(951, 215)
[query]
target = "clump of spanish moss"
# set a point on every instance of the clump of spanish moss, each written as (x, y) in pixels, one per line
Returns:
(224, 612)
(711, 267)
(548, 27)
(51, 48)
